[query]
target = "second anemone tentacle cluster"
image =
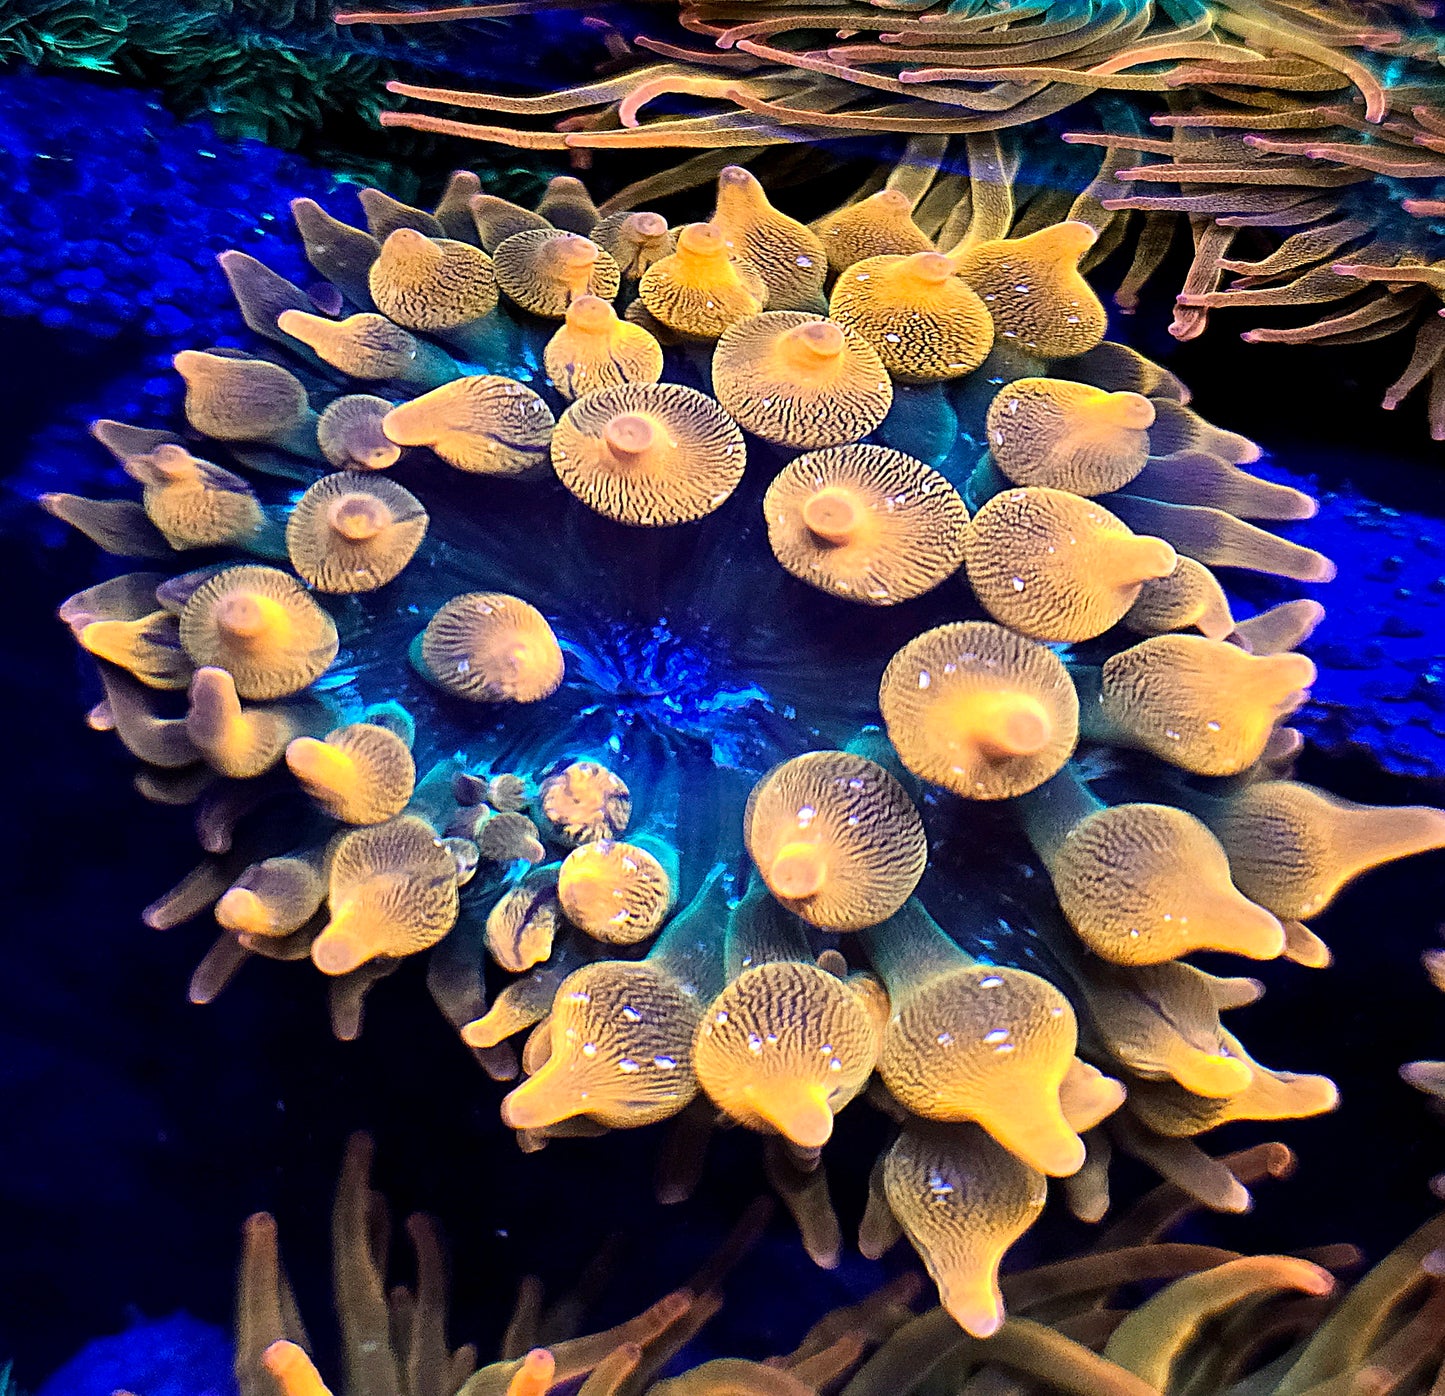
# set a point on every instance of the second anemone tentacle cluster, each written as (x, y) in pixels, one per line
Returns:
(1301, 142)
(1218, 1321)
(739, 568)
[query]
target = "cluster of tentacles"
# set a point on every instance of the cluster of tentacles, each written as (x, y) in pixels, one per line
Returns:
(1139, 1314)
(1320, 126)
(657, 601)
(1429, 1076)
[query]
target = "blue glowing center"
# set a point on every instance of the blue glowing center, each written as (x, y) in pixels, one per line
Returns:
(674, 685)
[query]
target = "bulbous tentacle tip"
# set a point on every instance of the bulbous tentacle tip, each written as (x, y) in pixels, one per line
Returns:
(351, 534)
(1209, 1073)
(385, 216)
(701, 288)
(798, 380)
(273, 900)
(615, 892)
(963, 1201)
(1035, 295)
(1240, 927)
(1279, 629)
(350, 436)
(785, 1045)
(1294, 847)
(488, 647)
(1144, 883)
(649, 455)
(1201, 704)
(1058, 567)
(292, 1370)
(1425, 1076)
(1087, 1097)
(262, 626)
(879, 226)
(836, 838)
(339, 950)
(977, 1308)
(535, 1375)
(1139, 559)
(1035, 1131)
(522, 926)
(923, 320)
(1008, 724)
(866, 523)
(584, 802)
(797, 1110)
(542, 270)
(536, 1104)
(240, 910)
(988, 1044)
(260, 293)
(967, 705)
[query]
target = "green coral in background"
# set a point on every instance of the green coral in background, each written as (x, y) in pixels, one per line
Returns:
(62, 34)
(271, 70)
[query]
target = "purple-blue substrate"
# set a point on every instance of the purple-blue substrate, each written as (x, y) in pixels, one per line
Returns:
(1381, 648)
(175, 1356)
(107, 257)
